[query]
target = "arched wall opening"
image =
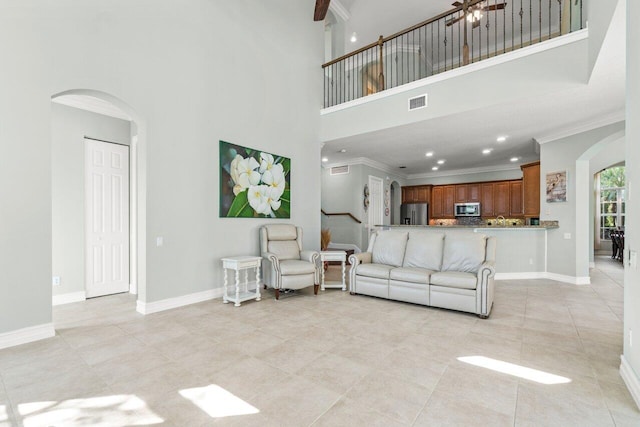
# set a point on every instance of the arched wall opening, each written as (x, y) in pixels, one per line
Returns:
(396, 200)
(606, 152)
(137, 140)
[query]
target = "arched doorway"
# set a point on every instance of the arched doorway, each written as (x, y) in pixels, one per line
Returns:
(396, 199)
(99, 104)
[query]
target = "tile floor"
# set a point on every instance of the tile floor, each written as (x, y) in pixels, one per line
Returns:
(329, 360)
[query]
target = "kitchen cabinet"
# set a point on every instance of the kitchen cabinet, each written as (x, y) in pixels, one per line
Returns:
(461, 193)
(416, 194)
(473, 193)
(437, 194)
(531, 189)
(448, 197)
(486, 206)
(515, 197)
(501, 198)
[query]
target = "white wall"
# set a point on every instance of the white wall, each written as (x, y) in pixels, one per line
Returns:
(632, 236)
(515, 173)
(344, 193)
(562, 155)
(69, 126)
(196, 72)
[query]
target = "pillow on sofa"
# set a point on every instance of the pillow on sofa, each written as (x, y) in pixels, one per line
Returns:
(389, 248)
(424, 250)
(464, 253)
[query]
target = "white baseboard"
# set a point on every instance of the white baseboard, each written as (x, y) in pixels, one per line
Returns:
(69, 298)
(26, 335)
(544, 275)
(520, 276)
(170, 303)
(630, 379)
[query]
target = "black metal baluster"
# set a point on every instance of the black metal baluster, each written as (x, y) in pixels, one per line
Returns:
(560, 16)
(549, 19)
(521, 15)
(530, 22)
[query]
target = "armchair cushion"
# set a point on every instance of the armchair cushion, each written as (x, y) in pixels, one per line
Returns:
(389, 248)
(281, 232)
(284, 249)
(464, 253)
(291, 267)
(424, 250)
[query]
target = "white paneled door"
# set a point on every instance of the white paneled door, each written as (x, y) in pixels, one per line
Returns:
(106, 217)
(376, 207)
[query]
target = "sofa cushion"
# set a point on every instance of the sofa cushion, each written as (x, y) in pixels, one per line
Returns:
(285, 249)
(411, 274)
(454, 279)
(293, 266)
(424, 250)
(389, 247)
(464, 253)
(379, 271)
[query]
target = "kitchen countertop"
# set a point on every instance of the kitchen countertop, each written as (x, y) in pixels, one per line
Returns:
(481, 226)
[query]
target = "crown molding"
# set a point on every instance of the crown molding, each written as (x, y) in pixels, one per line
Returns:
(618, 116)
(339, 10)
(470, 171)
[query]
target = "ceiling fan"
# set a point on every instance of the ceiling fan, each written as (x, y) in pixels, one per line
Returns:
(474, 13)
(321, 10)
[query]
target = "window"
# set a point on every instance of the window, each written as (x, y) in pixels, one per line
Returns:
(612, 201)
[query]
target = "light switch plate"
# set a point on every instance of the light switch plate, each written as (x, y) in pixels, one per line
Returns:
(159, 241)
(55, 280)
(567, 236)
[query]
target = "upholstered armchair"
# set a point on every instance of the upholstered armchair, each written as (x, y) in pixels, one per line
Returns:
(285, 265)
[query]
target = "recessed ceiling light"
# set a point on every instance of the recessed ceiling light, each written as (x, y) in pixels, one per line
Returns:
(324, 159)
(486, 151)
(429, 154)
(501, 139)
(435, 168)
(344, 150)
(515, 159)
(441, 162)
(354, 37)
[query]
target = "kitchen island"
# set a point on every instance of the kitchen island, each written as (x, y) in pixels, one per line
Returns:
(521, 250)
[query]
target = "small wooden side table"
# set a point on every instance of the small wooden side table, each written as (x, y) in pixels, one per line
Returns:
(242, 292)
(333, 256)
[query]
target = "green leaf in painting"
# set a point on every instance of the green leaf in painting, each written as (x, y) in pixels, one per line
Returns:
(240, 207)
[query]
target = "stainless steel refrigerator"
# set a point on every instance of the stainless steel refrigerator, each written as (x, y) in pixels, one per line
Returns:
(414, 213)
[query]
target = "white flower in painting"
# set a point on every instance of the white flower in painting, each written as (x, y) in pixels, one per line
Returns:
(266, 162)
(243, 173)
(258, 199)
(273, 198)
(274, 178)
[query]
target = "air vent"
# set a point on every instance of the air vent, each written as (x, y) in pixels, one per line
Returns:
(340, 170)
(418, 102)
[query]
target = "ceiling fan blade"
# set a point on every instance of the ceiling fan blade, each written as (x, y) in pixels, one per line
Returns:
(452, 21)
(475, 24)
(495, 7)
(456, 4)
(321, 10)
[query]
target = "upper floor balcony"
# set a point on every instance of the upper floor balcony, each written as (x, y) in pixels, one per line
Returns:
(473, 31)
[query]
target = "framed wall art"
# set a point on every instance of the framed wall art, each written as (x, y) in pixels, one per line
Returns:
(556, 185)
(253, 183)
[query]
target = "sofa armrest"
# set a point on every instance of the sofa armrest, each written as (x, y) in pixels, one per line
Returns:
(486, 270)
(311, 256)
(361, 258)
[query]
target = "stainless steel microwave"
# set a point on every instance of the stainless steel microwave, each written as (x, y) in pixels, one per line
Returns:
(467, 209)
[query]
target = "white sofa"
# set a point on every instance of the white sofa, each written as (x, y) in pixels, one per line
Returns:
(453, 270)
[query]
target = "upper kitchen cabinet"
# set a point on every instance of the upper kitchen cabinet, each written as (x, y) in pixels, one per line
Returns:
(437, 194)
(448, 197)
(531, 189)
(502, 198)
(486, 190)
(515, 197)
(416, 194)
(461, 193)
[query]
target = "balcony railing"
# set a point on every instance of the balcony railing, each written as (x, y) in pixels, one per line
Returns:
(473, 31)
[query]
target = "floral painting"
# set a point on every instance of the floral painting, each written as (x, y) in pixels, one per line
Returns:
(253, 183)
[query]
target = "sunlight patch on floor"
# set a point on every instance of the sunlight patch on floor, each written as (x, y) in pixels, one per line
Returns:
(218, 402)
(4, 416)
(112, 411)
(515, 370)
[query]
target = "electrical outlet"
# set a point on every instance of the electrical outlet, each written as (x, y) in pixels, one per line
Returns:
(530, 261)
(159, 241)
(56, 280)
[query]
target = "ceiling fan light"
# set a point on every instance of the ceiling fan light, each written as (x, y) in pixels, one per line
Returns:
(354, 37)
